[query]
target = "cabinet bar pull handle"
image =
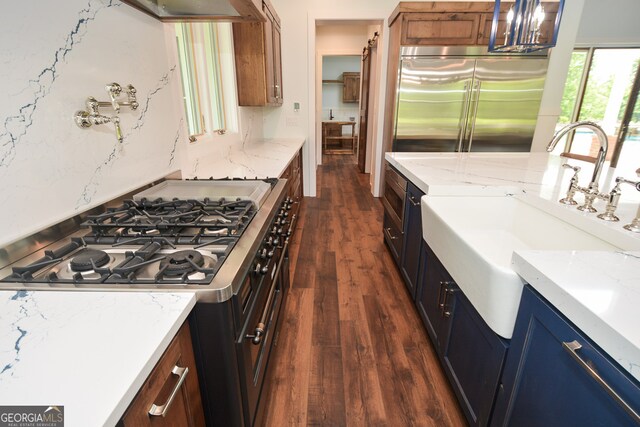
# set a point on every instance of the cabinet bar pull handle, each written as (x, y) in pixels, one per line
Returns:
(572, 348)
(440, 302)
(412, 199)
(161, 410)
(388, 230)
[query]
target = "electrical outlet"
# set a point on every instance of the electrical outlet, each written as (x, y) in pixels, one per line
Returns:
(292, 121)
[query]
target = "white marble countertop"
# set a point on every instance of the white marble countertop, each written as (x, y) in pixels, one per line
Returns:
(88, 351)
(266, 158)
(598, 291)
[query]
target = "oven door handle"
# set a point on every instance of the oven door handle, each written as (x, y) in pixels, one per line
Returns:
(261, 327)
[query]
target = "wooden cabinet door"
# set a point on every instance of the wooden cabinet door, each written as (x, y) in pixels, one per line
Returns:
(258, 60)
(277, 64)
(440, 29)
(350, 87)
(174, 375)
(545, 385)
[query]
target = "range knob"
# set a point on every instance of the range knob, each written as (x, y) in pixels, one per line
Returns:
(263, 253)
(276, 241)
(261, 270)
(274, 230)
(270, 241)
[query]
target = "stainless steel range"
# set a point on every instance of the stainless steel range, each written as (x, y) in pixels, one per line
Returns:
(183, 236)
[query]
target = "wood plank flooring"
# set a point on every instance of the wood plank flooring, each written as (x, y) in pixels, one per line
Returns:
(352, 350)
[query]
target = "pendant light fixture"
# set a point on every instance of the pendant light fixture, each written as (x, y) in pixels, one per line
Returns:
(522, 29)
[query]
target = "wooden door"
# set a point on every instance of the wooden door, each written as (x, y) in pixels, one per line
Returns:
(364, 109)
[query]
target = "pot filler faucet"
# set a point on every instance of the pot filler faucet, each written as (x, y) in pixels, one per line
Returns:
(91, 116)
(592, 192)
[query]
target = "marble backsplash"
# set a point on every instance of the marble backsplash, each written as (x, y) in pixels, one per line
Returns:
(53, 56)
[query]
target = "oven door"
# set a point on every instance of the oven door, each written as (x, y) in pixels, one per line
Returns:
(255, 341)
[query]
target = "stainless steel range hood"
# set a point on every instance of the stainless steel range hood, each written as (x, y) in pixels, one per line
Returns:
(200, 10)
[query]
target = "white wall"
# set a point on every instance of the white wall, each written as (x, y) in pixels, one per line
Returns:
(55, 54)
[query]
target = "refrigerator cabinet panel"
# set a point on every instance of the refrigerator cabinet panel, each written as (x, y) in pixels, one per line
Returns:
(505, 102)
(433, 104)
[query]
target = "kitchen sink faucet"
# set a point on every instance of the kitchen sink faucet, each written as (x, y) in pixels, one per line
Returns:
(592, 191)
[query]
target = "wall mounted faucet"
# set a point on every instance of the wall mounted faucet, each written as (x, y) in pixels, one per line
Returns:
(91, 116)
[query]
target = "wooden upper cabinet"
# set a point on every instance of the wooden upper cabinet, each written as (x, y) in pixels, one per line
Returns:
(351, 87)
(440, 29)
(546, 30)
(258, 60)
(440, 23)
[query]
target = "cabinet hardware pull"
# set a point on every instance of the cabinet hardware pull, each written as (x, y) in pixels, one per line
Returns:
(445, 311)
(388, 230)
(412, 199)
(161, 410)
(572, 348)
(440, 302)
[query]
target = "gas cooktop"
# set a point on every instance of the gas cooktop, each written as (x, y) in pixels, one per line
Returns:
(154, 243)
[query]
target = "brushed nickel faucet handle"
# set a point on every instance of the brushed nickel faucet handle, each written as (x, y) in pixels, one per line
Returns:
(635, 224)
(131, 95)
(573, 185)
(114, 90)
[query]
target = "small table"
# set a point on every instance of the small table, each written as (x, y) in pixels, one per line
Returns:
(333, 131)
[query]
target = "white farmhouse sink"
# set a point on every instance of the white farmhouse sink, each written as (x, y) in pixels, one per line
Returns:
(474, 238)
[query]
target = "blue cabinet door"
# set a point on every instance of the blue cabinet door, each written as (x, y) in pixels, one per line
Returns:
(429, 295)
(473, 356)
(412, 238)
(544, 384)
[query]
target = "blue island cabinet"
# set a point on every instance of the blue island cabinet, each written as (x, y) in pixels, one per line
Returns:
(410, 259)
(555, 376)
(471, 354)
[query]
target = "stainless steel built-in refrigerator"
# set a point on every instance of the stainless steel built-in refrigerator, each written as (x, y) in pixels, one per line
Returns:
(464, 99)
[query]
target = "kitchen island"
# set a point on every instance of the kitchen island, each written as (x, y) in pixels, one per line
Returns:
(544, 294)
(573, 281)
(87, 351)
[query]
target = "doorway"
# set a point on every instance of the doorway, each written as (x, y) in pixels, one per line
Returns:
(340, 48)
(340, 100)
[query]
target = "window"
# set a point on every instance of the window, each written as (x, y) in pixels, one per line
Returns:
(205, 53)
(602, 86)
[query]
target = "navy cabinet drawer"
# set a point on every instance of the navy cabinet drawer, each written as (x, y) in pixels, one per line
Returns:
(545, 385)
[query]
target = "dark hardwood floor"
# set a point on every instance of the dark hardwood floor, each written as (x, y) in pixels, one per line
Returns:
(352, 351)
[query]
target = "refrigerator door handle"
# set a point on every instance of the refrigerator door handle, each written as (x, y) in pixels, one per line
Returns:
(474, 115)
(464, 117)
